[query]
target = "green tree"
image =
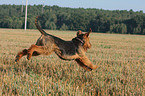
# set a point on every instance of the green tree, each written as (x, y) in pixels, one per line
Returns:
(50, 25)
(118, 28)
(100, 24)
(31, 23)
(64, 27)
(62, 18)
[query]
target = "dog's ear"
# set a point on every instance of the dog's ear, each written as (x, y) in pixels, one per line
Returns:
(79, 32)
(88, 33)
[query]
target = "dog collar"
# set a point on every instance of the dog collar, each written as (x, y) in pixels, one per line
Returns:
(80, 40)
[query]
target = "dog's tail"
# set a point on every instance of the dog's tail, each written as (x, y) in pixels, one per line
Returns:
(38, 27)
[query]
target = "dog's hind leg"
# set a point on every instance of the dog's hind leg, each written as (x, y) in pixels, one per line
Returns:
(21, 54)
(86, 63)
(35, 50)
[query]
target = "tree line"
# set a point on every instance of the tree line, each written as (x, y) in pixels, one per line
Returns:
(63, 18)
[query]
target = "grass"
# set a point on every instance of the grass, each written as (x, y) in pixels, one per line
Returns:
(121, 61)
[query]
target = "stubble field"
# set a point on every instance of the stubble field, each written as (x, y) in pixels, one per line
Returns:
(121, 61)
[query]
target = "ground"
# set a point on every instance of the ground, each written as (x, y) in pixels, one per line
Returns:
(121, 61)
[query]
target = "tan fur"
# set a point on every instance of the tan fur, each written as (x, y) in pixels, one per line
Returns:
(66, 50)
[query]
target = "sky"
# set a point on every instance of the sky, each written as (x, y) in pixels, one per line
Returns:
(135, 5)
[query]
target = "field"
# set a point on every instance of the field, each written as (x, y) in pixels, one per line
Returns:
(121, 61)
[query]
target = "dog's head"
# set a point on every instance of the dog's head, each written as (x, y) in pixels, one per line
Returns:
(84, 39)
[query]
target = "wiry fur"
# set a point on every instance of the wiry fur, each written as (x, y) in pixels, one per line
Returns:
(66, 50)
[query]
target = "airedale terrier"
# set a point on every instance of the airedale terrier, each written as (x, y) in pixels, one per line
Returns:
(66, 50)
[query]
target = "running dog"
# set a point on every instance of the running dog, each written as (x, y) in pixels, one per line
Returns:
(66, 50)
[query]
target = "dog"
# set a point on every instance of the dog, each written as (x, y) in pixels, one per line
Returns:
(66, 50)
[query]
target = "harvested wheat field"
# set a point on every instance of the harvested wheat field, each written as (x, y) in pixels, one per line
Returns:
(121, 61)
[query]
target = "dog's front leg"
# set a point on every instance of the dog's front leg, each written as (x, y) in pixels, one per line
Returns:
(86, 63)
(82, 65)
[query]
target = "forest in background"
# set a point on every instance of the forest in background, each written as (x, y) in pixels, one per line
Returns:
(63, 18)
